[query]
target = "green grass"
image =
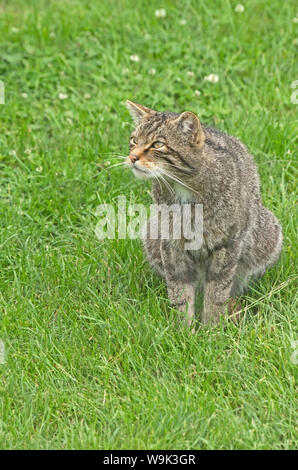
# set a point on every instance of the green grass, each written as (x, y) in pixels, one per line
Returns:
(93, 356)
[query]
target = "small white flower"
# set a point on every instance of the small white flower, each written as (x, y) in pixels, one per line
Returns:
(87, 96)
(12, 153)
(28, 151)
(212, 78)
(182, 22)
(125, 124)
(70, 121)
(52, 34)
(161, 13)
(39, 169)
(147, 36)
(24, 95)
(14, 30)
(152, 72)
(135, 58)
(190, 73)
(295, 20)
(63, 96)
(239, 8)
(197, 93)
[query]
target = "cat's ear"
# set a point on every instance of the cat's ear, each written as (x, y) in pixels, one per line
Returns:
(138, 112)
(190, 125)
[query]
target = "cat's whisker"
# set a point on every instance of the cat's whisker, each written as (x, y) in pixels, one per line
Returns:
(111, 153)
(113, 166)
(119, 156)
(170, 175)
(165, 182)
(113, 158)
(156, 177)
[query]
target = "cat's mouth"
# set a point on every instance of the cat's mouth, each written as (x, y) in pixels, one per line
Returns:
(142, 173)
(139, 170)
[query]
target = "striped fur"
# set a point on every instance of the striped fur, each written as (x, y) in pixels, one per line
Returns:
(199, 164)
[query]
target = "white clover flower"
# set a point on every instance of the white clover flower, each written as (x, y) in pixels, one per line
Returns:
(63, 96)
(135, 58)
(39, 169)
(87, 96)
(182, 22)
(212, 78)
(190, 73)
(295, 20)
(24, 95)
(12, 153)
(197, 93)
(152, 72)
(14, 30)
(239, 8)
(161, 13)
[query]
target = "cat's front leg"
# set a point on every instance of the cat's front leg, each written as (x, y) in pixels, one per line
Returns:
(220, 271)
(181, 279)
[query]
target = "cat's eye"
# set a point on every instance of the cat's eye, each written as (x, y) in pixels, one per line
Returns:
(157, 145)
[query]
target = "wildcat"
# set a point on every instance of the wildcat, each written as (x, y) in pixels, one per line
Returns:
(194, 163)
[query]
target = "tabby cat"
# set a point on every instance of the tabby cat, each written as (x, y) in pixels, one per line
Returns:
(194, 163)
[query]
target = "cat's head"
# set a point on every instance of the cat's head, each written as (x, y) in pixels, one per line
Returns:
(163, 142)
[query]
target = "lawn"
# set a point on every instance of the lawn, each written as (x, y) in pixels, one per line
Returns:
(93, 357)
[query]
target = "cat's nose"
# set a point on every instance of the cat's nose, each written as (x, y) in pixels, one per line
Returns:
(133, 158)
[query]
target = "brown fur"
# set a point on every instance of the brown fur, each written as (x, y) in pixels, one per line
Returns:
(199, 164)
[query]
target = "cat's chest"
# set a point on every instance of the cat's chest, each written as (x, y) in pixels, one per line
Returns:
(182, 195)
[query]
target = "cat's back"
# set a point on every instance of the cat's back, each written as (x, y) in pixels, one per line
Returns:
(233, 158)
(224, 143)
